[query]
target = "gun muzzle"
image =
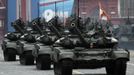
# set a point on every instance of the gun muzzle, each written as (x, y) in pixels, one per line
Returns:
(33, 23)
(50, 24)
(72, 24)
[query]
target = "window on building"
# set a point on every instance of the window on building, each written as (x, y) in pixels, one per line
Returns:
(127, 8)
(2, 23)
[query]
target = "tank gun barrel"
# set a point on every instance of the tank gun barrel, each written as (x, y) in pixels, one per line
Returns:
(52, 27)
(18, 27)
(41, 32)
(78, 32)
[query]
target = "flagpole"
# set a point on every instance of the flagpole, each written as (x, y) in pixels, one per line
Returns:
(38, 8)
(99, 10)
(55, 12)
(78, 9)
(78, 12)
(19, 11)
(63, 15)
(55, 8)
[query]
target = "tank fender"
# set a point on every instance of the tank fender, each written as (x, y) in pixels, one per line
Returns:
(121, 54)
(12, 45)
(66, 55)
(29, 47)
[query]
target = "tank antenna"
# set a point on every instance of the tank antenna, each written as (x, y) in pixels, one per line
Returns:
(56, 12)
(38, 8)
(63, 15)
(78, 11)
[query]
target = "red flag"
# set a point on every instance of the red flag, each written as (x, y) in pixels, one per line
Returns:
(103, 15)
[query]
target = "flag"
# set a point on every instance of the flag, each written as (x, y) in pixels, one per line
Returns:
(102, 13)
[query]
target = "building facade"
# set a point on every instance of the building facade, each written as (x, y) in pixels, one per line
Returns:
(118, 10)
(2, 18)
(10, 10)
(25, 9)
(126, 8)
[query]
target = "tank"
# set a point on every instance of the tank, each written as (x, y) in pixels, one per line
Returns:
(43, 51)
(9, 45)
(26, 45)
(92, 50)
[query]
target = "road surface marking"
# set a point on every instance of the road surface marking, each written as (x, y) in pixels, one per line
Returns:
(131, 53)
(130, 64)
(77, 72)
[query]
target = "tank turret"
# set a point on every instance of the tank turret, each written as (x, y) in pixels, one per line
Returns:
(65, 41)
(100, 38)
(19, 26)
(37, 25)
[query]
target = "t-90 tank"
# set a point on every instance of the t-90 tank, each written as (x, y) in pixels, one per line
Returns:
(90, 51)
(43, 51)
(9, 45)
(26, 45)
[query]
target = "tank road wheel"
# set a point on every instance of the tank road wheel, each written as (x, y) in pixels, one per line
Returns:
(117, 67)
(63, 68)
(27, 59)
(43, 62)
(56, 68)
(120, 67)
(110, 68)
(9, 55)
